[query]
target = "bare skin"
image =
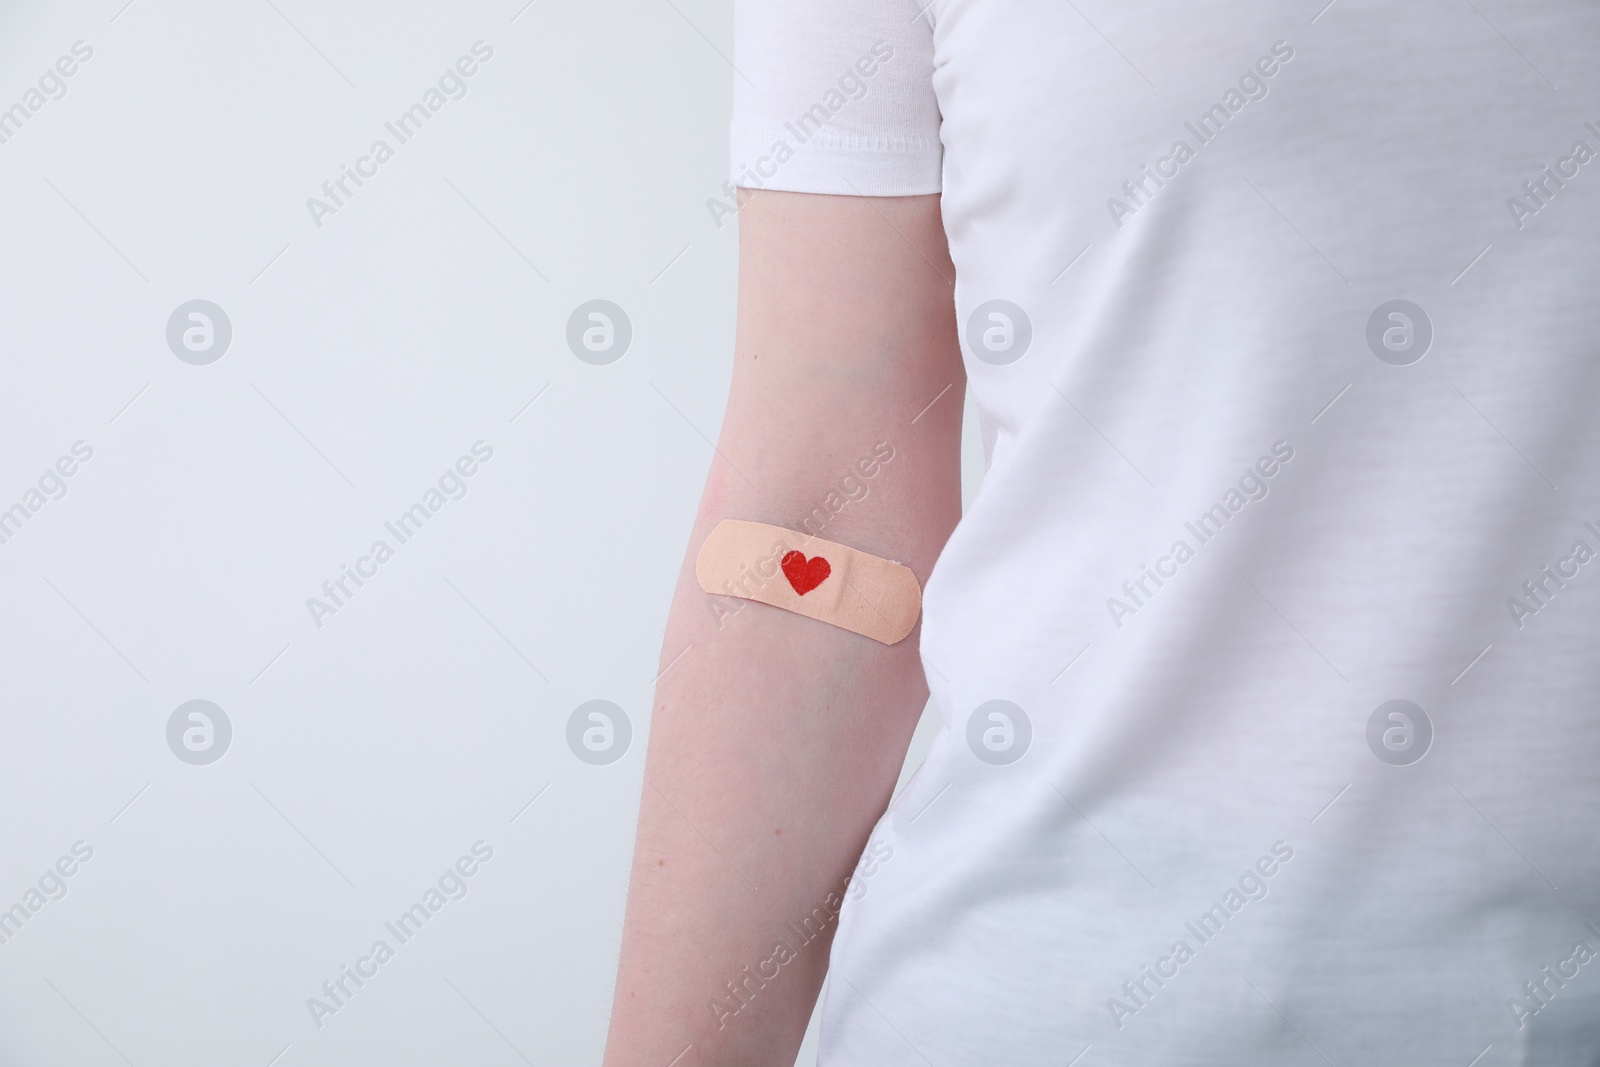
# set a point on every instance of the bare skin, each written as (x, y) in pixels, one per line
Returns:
(776, 739)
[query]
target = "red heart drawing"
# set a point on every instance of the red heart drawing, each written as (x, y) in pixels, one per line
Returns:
(805, 574)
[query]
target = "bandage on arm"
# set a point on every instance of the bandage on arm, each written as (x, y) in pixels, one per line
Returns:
(776, 740)
(836, 584)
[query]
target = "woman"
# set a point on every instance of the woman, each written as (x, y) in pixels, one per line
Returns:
(1265, 655)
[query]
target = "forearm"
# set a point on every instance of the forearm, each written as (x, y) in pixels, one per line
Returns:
(776, 739)
(772, 753)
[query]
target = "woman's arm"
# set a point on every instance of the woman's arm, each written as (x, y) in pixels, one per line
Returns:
(776, 740)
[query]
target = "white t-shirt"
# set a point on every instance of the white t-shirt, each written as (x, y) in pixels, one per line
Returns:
(1269, 652)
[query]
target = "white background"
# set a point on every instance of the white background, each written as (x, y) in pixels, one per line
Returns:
(367, 355)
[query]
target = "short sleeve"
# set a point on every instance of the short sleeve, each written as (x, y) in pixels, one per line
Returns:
(835, 96)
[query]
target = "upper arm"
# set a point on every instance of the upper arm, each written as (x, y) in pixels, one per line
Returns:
(846, 340)
(846, 320)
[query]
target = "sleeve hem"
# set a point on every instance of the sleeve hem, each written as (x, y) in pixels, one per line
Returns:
(854, 167)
